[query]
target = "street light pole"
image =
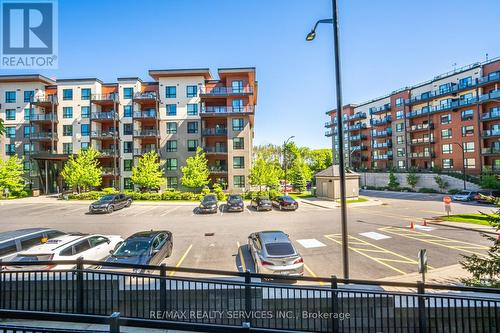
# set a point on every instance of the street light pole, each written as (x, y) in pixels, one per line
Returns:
(284, 159)
(463, 163)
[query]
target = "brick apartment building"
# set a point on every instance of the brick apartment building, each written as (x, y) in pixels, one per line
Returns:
(426, 125)
(46, 120)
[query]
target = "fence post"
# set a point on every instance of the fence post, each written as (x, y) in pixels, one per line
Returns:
(114, 323)
(79, 285)
(335, 304)
(163, 288)
(248, 296)
(422, 320)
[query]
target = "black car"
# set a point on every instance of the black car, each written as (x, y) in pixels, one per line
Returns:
(261, 203)
(235, 203)
(144, 248)
(209, 204)
(110, 203)
(285, 202)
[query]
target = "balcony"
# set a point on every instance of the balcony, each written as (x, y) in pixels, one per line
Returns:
(360, 158)
(359, 148)
(330, 123)
(225, 110)
(455, 104)
(214, 131)
(385, 144)
(217, 168)
(103, 134)
(104, 99)
(491, 133)
(452, 89)
(493, 168)
(142, 151)
(381, 121)
(418, 113)
(420, 141)
(421, 127)
(380, 109)
(492, 77)
(490, 151)
(215, 150)
(110, 171)
(331, 132)
(149, 114)
(146, 133)
(107, 152)
(43, 117)
(382, 157)
(358, 137)
(356, 127)
(145, 97)
(494, 95)
(43, 136)
(423, 154)
(111, 115)
(356, 116)
(44, 101)
(381, 134)
(225, 91)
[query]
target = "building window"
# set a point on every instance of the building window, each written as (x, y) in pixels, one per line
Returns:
(399, 127)
(238, 162)
(447, 163)
(237, 86)
(85, 128)
(68, 148)
(238, 143)
(28, 148)
(67, 94)
(444, 88)
(191, 91)
(239, 181)
(171, 128)
(446, 133)
(400, 152)
(399, 101)
(399, 114)
(84, 145)
(171, 164)
(27, 114)
(10, 114)
(67, 112)
(468, 130)
(466, 97)
(28, 94)
(68, 130)
(85, 112)
(447, 148)
(127, 165)
(128, 129)
(10, 149)
(445, 119)
(26, 166)
(192, 109)
(27, 130)
(172, 182)
(399, 139)
(468, 147)
(127, 111)
(467, 114)
(171, 109)
(128, 93)
(170, 92)
(10, 132)
(192, 127)
(10, 97)
(470, 163)
(192, 145)
(237, 105)
(401, 164)
(127, 184)
(85, 94)
(238, 124)
(171, 146)
(128, 147)
(465, 82)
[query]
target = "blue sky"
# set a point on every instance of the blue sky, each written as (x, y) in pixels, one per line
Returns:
(385, 45)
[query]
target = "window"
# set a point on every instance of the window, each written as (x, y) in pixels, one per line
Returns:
(26, 168)
(192, 109)
(172, 182)
(85, 94)
(191, 91)
(467, 130)
(401, 164)
(82, 246)
(192, 145)
(67, 94)
(238, 162)
(10, 114)
(10, 97)
(399, 127)
(127, 184)
(28, 148)
(466, 97)
(238, 124)
(128, 93)
(468, 147)
(127, 110)
(399, 101)
(170, 92)
(425, 95)
(470, 163)
(26, 131)
(446, 133)
(465, 82)
(127, 165)
(237, 86)
(28, 94)
(447, 148)
(400, 152)
(68, 148)
(399, 114)
(10, 132)
(238, 143)
(444, 88)
(85, 129)
(467, 114)
(27, 114)
(171, 128)
(171, 146)
(399, 139)
(84, 145)
(128, 129)
(85, 112)
(239, 181)
(171, 164)
(128, 147)
(192, 127)
(10, 149)
(67, 112)
(68, 130)
(171, 109)
(237, 105)
(447, 163)
(445, 118)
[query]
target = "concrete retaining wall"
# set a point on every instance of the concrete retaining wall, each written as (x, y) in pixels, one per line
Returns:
(425, 180)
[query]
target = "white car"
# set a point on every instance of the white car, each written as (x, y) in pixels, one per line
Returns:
(68, 247)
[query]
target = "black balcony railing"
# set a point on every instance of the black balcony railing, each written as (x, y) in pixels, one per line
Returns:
(490, 150)
(217, 168)
(111, 97)
(43, 136)
(214, 131)
(146, 133)
(111, 115)
(216, 91)
(215, 150)
(48, 99)
(145, 114)
(421, 127)
(142, 151)
(103, 134)
(43, 117)
(491, 133)
(380, 109)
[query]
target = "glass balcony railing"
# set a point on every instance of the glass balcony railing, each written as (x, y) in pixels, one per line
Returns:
(422, 154)
(421, 127)
(111, 97)
(145, 114)
(103, 134)
(44, 99)
(383, 108)
(217, 168)
(214, 131)
(381, 121)
(490, 78)
(358, 137)
(219, 91)
(356, 127)
(103, 115)
(107, 152)
(146, 132)
(381, 134)
(43, 117)
(491, 132)
(142, 151)
(215, 149)
(421, 141)
(227, 109)
(146, 95)
(43, 136)
(490, 150)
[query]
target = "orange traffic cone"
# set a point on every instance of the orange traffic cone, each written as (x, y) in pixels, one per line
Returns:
(412, 226)
(498, 238)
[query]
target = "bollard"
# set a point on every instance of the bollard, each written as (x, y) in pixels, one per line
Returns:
(114, 323)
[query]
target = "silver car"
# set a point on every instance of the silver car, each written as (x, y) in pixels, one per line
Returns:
(274, 253)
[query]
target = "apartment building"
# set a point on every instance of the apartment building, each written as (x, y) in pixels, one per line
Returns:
(179, 110)
(449, 122)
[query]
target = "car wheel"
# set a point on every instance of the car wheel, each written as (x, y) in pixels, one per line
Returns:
(129, 202)
(110, 209)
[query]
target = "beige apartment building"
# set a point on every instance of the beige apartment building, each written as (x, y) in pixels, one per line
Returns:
(47, 120)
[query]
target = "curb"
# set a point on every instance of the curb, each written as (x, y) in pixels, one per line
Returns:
(315, 204)
(459, 227)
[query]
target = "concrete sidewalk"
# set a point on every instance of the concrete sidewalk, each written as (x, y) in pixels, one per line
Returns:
(54, 200)
(330, 204)
(449, 275)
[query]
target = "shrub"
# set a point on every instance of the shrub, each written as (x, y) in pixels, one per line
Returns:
(406, 189)
(205, 191)
(427, 190)
(393, 181)
(221, 196)
(274, 193)
(441, 183)
(109, 190)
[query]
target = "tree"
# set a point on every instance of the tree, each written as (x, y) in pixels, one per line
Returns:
(264, 173)
(412, 178)
(319, 159)
(299, 180)
(83, 171)
(489, 181)
(195, 173)
(393, 180)
(11, 176)
(148, 174)
(299, 174)
(441, 183)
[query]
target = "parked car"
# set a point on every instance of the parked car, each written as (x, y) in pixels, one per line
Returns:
(235, 203)
(261, 203)
(12, 242)
(464, 196)
(285, 202)
(68, 247)
(110, 203)
(144, 248)
(274, 253)
(487, 196)
(209, 204)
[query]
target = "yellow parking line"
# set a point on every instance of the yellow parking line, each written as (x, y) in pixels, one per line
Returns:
(179, 263)
(242, 259)
(392, 215)
(312, 274)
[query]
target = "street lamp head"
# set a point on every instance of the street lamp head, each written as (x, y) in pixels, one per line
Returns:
(310, 36)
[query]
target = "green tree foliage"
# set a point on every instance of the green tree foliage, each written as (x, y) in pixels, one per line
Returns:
(441, 183)
(489, 181)
(299, 174)
(195, 173)
(83, 171)
(319, 159)
(393, 180)
(11, 176)
(412, 178)
(148, 174)
(264, 173)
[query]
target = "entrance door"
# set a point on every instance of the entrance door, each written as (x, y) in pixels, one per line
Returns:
(324, 189)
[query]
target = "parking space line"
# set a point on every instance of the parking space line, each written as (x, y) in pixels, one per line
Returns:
(436, 240)
(248, 210)
(404, 217)
(312, 274)
(148, 209)
(170, 211)
(242, 259)
(179, 263)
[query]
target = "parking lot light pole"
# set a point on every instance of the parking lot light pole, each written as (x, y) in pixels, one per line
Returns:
(338, 86)
(463, 162)
(284, 158)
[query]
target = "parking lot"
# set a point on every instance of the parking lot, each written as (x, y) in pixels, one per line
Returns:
(381, 244)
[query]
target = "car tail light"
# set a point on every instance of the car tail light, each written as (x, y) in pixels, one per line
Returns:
(266, 263)
(299, 261)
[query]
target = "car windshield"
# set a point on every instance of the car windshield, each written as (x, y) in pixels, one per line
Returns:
(31, 257)
(132, 248)
(280, 249)
(209, 199)
(107, 198)
(234, 199)
(287, 199)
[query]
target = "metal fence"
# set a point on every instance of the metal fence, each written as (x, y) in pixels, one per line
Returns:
(223, 300)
